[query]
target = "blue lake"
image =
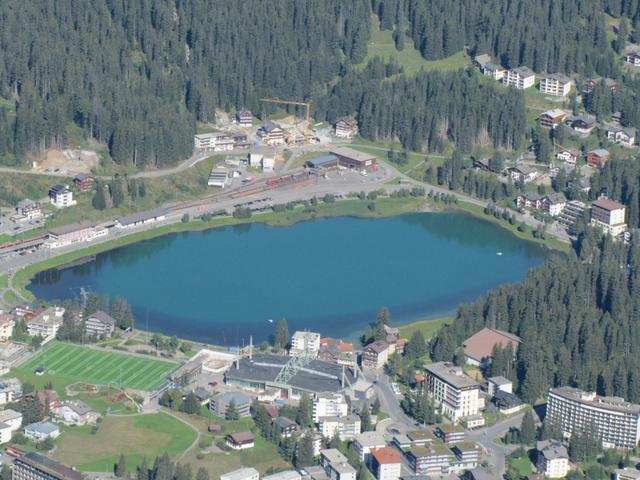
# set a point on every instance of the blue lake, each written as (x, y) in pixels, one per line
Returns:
(329, 275)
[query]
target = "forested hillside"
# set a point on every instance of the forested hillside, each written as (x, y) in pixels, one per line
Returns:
(547, 35)
(578, 319)
(137, 74)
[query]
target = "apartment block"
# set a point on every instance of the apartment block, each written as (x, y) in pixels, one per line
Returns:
(457, 394)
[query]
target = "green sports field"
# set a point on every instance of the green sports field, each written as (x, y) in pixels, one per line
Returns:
(74, 363)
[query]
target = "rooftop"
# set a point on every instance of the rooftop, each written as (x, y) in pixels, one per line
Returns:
(552, 449)
(524, 71)
(451, 374)
(500, 380)
(480, 345)
(386, 455)
(617, 404)
(286, 475)
(350, 153)
(284, 422)
(72, 227)
(559, 77)
(103, 317)
(316, 376)
(239, 437)
(49, 465)
(607, 204)
(45, 428)
(378, 346)
(628, 473)
(9, 414)
(601, 152)
(369, 439)
(338, 461)
(556, 112)
(240, 474)
(142, 216)
(238, 398)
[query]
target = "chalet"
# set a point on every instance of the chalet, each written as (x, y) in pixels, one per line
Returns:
(529, 200)
(271, 133)
(622, 136)
(479, 347)
(568, 155)
(29, 209)
(83, 182)
(244, 118)
(346, 127)
(48, 400)
(494, 71)
(597, 158)
(240, 440)
(520, 78)
(75, 412)
(285, 426)
(375, 355)
(632, 57)
(336, 351)
(507, 402)
(100, 325)
(523, 173)
(556, 84)
(582, 125)
(551, 118)
(553, 204)
(591, 83)
(61, 196)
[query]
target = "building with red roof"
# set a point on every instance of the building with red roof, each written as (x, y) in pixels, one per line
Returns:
(385, 463)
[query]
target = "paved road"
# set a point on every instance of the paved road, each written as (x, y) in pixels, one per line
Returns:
(486, 437)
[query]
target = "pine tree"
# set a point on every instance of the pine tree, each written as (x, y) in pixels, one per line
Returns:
(231, 412)
(304, 457)
(304, 413)
(202, 474)
(365, 420)
(282, 334)
(120, 468)
(416, 347)
(527, 429)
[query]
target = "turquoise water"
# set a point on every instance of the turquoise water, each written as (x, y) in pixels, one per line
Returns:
(329, 275)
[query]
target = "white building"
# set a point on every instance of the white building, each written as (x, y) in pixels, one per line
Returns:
(609, 216)
(328, 404)
(556, 84)
(79, 232)
(268, 163)
(622, 136)
(520, 78)
(493, 71)
(386, 463)
(336, 466)
(47, 323)
(366, 441)
(617, 423)
(286, 475)
(142, 218)
(568, 155)
(553, 459)
(219, 177)
(75, 412)
(553, 204)
(6, 326)
(499, 383)
(346, 127)
(305, 342)
(5, 433)
(457, 394)
(41, 431)
(10, 390)
(11, 418)
(247, 473)
(346, 427)
(61, 196)
(29, 209)
(215, 141)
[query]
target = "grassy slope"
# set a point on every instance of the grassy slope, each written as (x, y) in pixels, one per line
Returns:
(428, 327)
(382, 45)
(136, 437)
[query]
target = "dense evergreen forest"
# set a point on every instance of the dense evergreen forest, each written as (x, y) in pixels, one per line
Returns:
(547, 35)
(619, 179)
(137, 75)
(577, 318)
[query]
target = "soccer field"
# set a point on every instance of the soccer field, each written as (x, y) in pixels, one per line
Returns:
(76, 363)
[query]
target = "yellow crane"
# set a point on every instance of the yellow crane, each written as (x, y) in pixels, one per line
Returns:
(291, 102)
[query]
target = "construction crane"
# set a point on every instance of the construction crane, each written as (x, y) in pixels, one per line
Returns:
(291, 102)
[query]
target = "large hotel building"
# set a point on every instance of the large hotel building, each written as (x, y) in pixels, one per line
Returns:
(616, 421)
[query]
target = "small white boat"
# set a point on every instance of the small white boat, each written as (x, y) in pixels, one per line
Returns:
(499, 253)
(270, 320)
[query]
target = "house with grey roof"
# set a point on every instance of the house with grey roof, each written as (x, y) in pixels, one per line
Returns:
(75, 412)
(100, 325)
(41, 431)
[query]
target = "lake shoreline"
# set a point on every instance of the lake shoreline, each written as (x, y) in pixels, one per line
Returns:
(384, 207)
